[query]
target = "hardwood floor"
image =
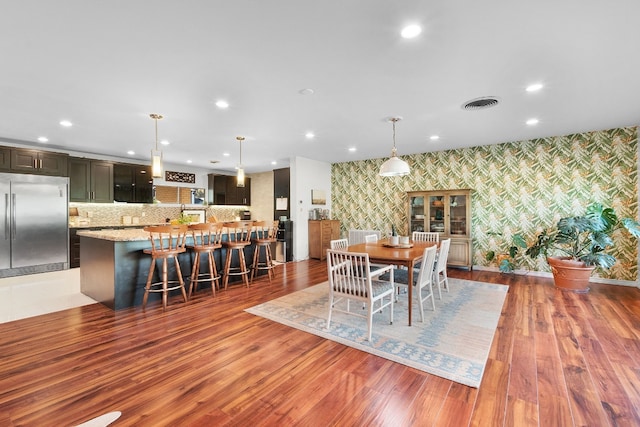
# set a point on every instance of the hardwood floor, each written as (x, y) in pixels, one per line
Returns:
(557, 359)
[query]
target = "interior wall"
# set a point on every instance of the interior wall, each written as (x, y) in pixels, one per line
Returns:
(518, 187)
(306, 175)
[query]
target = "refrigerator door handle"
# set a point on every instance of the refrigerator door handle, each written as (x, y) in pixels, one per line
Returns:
(13, 215)
(6, 216)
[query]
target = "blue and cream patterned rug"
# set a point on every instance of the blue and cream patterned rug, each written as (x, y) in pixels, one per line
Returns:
(453, 342)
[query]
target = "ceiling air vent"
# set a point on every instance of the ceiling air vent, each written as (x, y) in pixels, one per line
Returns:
(480, 103)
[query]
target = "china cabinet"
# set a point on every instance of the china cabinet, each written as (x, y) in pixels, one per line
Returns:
(447, 212)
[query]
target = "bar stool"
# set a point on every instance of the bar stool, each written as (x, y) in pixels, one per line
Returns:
(265, 235)
(207, 238)
(238, 238)
(167, 241)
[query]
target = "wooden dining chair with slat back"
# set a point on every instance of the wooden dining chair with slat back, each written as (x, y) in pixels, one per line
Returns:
(207, 238)
(167, 242)
(238, 237)
(425, 236)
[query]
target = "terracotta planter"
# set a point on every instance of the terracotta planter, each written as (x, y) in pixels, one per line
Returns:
(570, 275)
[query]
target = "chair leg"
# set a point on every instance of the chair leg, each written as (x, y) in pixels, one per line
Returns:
(213, 273)
(164, 284)
(180, 280)
(271, 270)
(227, 268)
(195, 272)
(148, 285)
(256, 259)
(243, 267)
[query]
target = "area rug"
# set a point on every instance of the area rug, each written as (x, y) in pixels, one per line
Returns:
(453, 342)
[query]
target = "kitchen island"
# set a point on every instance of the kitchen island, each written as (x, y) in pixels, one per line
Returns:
(114, 268)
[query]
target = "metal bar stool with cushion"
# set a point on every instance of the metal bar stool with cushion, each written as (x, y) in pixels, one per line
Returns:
(207, 238)
(265, 235)
(238, 238)
(167, 241)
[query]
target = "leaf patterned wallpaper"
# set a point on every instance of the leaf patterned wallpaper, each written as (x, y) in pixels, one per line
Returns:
(518, 187)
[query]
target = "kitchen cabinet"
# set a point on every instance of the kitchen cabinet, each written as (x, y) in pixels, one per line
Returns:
(38, 162)
(321, 233)
(226, 190)
(90, 180)
(5, 159)
(132, 183)
(448, 213)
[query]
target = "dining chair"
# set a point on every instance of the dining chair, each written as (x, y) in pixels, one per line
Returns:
(425, 236)
(423, 280)
(339, 244)
(351, 279)
(371, 238)
(440, 271)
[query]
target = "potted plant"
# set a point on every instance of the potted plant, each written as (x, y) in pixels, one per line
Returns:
(507, 260)
(578, 245)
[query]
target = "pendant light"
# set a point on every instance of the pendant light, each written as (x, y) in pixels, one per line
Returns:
(240, 179)
(156, 155)
(394, 166)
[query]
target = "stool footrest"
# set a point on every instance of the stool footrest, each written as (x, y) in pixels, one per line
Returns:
(159, 288)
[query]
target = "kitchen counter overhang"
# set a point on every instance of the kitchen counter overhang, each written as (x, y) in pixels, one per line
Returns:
(114, 268)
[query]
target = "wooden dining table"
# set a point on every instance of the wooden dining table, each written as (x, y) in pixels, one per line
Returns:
(381, 252)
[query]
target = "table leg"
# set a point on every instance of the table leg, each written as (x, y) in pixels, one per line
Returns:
(410, 297)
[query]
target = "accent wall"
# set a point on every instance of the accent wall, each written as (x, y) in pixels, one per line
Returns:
(518, 187)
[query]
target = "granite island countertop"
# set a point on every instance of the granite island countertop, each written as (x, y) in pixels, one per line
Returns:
(125, 235)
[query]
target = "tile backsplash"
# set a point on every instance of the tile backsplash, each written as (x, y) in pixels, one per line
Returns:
(105, 214)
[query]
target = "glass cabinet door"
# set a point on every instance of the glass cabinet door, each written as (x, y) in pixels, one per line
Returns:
(416, 214)
(458, 214)
(436, 214)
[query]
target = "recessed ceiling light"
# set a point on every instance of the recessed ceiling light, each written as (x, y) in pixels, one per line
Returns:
(222, 104)
(434, 137)
(226, 154)
(306, 92)
(352, 149)
(189, 161)
(274, 162)
(532, 122)
(411, 31)
(165, 142)
(43, 139)
(309, 135)
(534, 87)
(131, 152)
(66, 123)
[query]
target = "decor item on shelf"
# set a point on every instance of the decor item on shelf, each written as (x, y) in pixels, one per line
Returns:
(240, 181)
(394, 166)
(577, 245)
(184, 177)
(156, 155)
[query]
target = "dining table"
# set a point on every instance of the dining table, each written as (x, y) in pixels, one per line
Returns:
(383, 252)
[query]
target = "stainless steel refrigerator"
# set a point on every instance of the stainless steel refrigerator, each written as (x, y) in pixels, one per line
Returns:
(34, 230)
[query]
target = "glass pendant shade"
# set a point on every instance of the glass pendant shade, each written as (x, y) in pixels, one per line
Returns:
(156, 163)
(240, 177)
(156, 155)
(394, 166)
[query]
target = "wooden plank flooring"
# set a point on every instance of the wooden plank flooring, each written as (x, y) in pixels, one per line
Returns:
(557, 359)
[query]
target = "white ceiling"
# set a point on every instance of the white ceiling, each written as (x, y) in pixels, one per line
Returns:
(105, 65)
